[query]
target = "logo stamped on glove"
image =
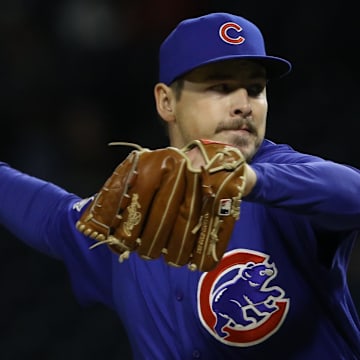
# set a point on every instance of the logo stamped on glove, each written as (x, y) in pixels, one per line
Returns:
(134, 215)
(225, 207)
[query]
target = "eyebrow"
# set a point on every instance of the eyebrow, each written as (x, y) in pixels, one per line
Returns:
(225, 76)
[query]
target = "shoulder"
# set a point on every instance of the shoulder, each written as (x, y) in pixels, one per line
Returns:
(272, 152)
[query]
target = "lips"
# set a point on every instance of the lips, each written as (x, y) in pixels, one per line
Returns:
(243, 130)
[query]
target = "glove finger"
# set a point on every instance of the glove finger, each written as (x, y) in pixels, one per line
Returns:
(165, 205)
(101, 216)
(181, 241)
(117, 214)
(151, 170)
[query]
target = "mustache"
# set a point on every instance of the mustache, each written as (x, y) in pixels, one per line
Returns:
(236, 124)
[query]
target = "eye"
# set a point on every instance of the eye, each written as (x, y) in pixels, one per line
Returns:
(255, 90)
(221, 88)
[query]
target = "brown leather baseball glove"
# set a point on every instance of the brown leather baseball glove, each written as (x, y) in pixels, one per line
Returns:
(157, 204)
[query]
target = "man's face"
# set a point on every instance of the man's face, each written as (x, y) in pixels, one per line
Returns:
(225, 102)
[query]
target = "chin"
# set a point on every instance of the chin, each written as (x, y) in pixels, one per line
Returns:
(246, 146)
(248, 154)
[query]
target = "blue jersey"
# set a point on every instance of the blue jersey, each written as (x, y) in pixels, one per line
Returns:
(280, 291)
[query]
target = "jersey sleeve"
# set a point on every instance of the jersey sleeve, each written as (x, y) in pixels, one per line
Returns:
(327, 192)
(43, 216)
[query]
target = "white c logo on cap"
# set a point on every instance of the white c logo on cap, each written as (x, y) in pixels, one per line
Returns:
(223, 32)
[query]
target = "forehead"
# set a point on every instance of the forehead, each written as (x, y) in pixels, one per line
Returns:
(228, 69)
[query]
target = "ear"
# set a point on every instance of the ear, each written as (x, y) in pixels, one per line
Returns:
(164, 98)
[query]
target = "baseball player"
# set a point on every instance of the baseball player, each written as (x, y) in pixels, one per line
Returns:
(280, 288)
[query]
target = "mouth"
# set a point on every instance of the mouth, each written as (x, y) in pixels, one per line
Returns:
(243, 130)
(239, 132)
(242, 127)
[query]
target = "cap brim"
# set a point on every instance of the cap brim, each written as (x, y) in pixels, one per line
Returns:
(275, 67)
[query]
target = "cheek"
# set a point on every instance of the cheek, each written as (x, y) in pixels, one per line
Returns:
(262, 127)
(261, 114)
(196, 120)
(194, 128)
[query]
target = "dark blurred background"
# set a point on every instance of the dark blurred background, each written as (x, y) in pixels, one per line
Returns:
(77, 74)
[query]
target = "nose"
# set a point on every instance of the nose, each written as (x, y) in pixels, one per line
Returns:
(240, 103)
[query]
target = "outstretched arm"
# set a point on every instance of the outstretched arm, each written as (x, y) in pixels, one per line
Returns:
(28, 205)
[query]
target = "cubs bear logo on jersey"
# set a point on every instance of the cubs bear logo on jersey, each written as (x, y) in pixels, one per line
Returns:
(239, 302)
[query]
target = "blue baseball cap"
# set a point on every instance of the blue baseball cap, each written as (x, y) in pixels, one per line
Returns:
(212, 38)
